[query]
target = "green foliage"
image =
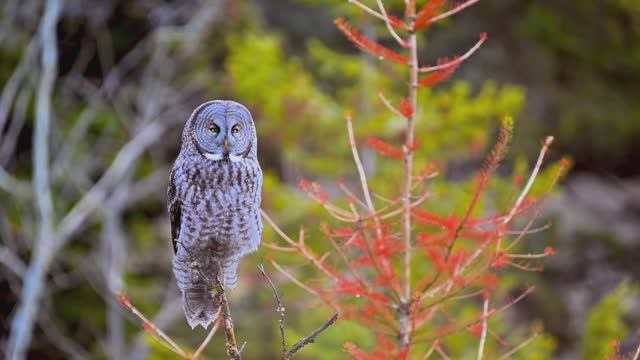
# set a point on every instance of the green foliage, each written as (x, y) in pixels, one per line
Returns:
(606, 323)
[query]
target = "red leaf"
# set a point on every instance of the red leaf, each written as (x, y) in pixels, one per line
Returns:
(397, 23)
(364, 260)
(305, 185)
(437, 259)
(428, 11)
(489, 281)
(549, 251)
(344, 232)
(384, 149)
(355, 352)
(406, 108)
(441, 75)
(500, 261)
(430, 218)
(368, 45)
(357, 241)
(346, 287)
(475, 329)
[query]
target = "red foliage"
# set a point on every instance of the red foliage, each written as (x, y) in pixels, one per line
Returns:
(406, 108)
(367, 44)
(385, 235)
(441, 75)
(428, 11)
(384, 149)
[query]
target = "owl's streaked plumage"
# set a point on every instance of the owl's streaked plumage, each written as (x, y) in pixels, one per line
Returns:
(214, 204)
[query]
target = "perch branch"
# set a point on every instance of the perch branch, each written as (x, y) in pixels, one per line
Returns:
(229, 333)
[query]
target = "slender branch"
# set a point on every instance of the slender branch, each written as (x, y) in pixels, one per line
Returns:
(519, 347)
(368, 10)
(312, 337)
(433, 347)
(456, 61)
(356, 159)
(13, 186)
(483, 337)
(279, 308)
(150, 327)
(405, 336)
(387, 103)
(548, 141)
(442, 353)
(636, 356)
(206, 341)
(393, 33)
(22, 324)
(453, 11)
(294, 279)
(229, 333)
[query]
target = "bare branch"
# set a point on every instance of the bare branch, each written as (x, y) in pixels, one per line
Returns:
(393, 33)
(22, 324)
(519, 347)
(279, 308)
(312, 337)
(453, 11)
(456, 61)
(206, 341)
(483, 336)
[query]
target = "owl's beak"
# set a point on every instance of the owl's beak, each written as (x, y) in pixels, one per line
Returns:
(226, 144)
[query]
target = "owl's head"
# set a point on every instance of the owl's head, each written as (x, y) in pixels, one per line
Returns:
(222, 129)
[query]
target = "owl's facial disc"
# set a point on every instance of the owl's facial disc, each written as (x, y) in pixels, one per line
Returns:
(224, 130)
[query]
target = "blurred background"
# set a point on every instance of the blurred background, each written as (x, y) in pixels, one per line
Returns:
(122, 77)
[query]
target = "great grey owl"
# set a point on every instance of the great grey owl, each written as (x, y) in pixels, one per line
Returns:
(214, 204)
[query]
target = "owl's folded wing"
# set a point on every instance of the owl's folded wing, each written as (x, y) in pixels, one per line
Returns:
(175, 212)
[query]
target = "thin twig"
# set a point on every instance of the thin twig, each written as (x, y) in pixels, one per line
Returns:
(206, 341)
(548, 141)
(22, 324)
(453, 11)
(519, 347)
(456, 61)
(442, 353)
(149, 326)
(433, 347)
(279, 308)
(312, 337)
(483, 336)
(393, 33)
(367, 9)
(636, 356)
(387, 103)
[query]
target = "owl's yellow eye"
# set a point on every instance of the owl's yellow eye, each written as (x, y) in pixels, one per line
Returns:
(235, 129)
(213, 128)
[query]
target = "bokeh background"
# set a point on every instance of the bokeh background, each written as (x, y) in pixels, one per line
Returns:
(129, 74)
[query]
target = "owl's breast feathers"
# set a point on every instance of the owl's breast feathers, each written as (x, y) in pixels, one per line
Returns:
(216, 204)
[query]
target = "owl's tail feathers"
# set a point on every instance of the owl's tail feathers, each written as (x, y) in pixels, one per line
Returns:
(230, 271)
(200, 307)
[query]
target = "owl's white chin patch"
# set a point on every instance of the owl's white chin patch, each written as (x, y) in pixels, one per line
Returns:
(213, 156)
(235, 158)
